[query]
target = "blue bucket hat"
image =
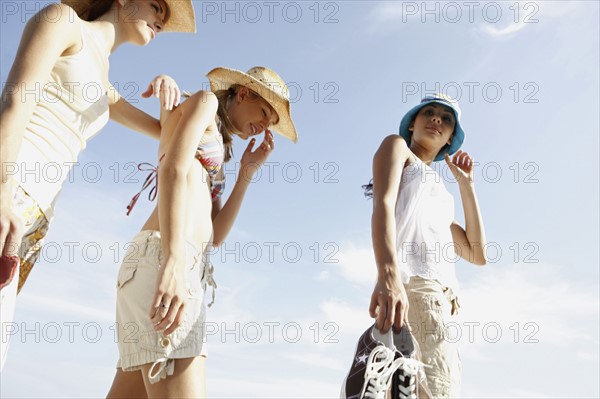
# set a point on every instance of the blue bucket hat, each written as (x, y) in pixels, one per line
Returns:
(459, 134)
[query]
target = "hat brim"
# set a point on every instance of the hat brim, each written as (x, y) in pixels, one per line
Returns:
(223, 78)
(182, 17)
(457, 139)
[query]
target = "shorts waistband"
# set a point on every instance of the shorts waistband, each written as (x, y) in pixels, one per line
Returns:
(146, 235)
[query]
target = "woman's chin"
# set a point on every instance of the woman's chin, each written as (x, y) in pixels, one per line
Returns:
(242, 135)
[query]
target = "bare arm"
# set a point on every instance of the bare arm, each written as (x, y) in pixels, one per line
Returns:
(224, 218)
(175, 168)
(42, 43)
(123, 112)
(389, 293)
(179, 145)
(470, 242)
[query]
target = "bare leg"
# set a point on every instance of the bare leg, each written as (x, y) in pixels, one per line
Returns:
(128, 385)
(187, 381)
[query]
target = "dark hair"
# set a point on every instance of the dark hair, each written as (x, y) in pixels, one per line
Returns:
(368, 189)
(98, 8)
(95, 10)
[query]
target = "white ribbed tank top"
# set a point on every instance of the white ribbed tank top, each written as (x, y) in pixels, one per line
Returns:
(72, 107)
(424, 213)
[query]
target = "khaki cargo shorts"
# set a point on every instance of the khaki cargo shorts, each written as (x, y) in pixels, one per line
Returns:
(139, 343)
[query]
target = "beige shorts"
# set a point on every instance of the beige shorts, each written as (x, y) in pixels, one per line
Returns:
(431, 307)
(139, 343)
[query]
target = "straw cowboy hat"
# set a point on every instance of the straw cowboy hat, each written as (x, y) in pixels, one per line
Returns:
(181, 14)
(268, 85)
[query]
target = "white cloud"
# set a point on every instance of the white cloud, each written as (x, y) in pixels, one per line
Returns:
(271, 387)
(356, 265)
(351, 319)
(486, 18)
(541, 295)
(319, 361)
(562, 314)
(507, 30)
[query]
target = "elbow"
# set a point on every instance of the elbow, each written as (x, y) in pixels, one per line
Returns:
(480, 262)
(217, 238)
(217, 242)
(479, 259)
(173, 172)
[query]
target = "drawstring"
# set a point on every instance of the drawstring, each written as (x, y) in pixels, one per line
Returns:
(166, 367)
(453, 300)
(151, 178)
(208, 278)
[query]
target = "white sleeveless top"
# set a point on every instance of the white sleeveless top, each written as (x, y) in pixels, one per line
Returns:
(72, 107)
(424, 213)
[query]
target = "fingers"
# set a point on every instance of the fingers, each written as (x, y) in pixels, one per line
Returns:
(250, 145)
(160, 307)
(401, 318)
(149, 91)
(390, 315)
(448, 160)
(177, 322)
(168, 321)
(461, 160)
(373, 306)
(268, 142)
(171, 94)
(166, 313)
(381, 314)
(177, 96)
(166, 89)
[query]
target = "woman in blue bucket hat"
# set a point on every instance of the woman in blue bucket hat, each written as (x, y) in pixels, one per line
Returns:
(416, 239)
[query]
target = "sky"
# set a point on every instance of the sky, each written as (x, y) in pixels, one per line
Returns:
(296, 273)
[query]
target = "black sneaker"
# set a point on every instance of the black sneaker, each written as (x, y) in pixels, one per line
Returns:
(409, 375)
(372, 368)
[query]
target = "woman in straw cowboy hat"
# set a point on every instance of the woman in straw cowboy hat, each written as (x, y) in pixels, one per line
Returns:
(63, 54)
(414, 233)
(165, 273)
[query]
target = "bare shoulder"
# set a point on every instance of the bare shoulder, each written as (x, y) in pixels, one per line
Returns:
(205, 99)
(55, 22)
(209, 97)
(393, 146)
(56, 16)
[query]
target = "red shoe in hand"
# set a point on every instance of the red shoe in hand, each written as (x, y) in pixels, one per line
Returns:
(8, 267)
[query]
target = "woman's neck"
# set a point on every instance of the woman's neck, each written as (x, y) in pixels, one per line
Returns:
(108, 29)
(426, 156)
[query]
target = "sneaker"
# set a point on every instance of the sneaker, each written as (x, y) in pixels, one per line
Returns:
(409, 375)
(373, 367)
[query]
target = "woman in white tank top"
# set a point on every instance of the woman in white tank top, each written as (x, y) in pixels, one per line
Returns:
(64, 50)
(415, 236)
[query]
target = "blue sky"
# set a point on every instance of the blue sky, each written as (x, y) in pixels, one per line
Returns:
(299, 259)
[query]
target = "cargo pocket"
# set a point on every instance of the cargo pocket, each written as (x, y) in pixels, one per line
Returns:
(433, 309)
(164, 346)
(125, 275)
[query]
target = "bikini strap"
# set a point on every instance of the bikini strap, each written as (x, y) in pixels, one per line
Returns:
(151, 178)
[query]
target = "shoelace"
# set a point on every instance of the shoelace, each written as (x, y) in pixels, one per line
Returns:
(379, 372)
(381, 366)
(408, 368)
